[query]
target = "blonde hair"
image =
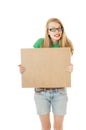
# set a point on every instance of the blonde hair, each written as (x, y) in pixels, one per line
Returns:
(64, 41)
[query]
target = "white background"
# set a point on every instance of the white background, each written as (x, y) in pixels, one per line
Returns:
(21, 23)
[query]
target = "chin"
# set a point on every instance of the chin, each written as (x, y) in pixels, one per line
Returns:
(57, 38)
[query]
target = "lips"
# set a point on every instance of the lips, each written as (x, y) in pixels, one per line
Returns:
(56, 35)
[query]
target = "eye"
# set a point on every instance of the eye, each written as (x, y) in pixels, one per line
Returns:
(55, 29)
(59, 29)
(52, 29)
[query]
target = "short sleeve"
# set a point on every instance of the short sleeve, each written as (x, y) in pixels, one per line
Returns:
(38, 43)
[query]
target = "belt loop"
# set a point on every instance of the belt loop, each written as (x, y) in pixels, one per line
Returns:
(45, 89)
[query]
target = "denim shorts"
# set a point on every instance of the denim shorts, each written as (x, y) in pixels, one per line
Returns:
(55, 99)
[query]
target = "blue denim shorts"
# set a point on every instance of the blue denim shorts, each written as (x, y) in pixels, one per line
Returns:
(55, 99)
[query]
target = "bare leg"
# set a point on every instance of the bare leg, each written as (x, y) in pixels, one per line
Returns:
(45, 122)
(58, 122)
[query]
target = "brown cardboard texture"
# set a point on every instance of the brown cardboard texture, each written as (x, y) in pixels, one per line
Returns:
(45, 67)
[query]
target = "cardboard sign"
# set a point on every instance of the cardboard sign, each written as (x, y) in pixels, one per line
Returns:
(45, 67)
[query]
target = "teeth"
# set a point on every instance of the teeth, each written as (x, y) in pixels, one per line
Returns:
(56, 35)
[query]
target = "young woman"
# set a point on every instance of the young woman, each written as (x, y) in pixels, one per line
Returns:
(56, 98)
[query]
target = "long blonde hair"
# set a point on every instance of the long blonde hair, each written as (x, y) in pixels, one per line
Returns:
(64, 41)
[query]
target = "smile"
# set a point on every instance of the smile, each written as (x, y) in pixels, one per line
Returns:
(57, 35)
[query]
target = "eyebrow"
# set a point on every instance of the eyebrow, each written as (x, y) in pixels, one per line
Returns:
(55, 27)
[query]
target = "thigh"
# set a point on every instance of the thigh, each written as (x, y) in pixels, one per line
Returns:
(42, 103)
(59, 102)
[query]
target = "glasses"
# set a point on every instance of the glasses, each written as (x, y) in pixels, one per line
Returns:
(55, 29)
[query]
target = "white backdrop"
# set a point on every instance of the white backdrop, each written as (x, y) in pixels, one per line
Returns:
(21, 23)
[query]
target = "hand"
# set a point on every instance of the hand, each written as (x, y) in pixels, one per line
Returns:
(69, 68)
(21, 68)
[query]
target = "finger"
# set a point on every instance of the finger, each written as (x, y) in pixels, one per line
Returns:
(69, 69)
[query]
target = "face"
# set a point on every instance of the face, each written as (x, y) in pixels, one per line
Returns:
(54, 31)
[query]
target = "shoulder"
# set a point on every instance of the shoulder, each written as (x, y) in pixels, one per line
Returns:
(38, 43)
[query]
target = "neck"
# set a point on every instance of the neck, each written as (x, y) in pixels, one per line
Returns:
(55, 41)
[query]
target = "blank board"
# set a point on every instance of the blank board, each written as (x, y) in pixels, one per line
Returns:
(45, 67)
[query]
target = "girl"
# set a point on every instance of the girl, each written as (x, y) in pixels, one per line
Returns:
(55, 37)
